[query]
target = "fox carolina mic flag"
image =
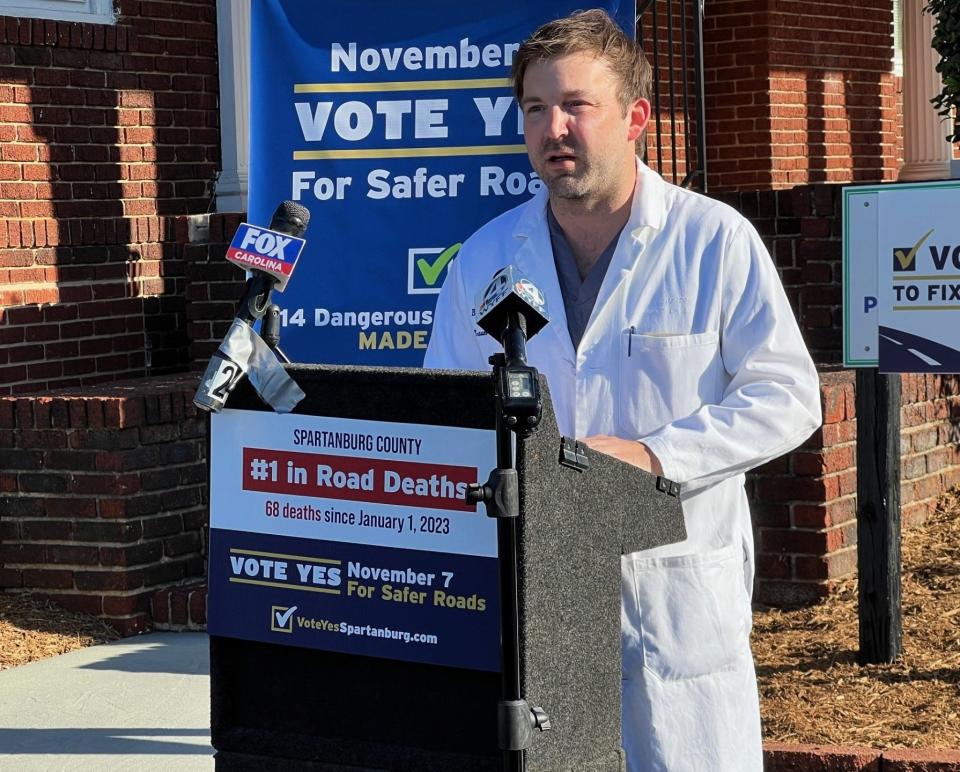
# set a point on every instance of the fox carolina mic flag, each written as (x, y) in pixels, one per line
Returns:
(395, 125)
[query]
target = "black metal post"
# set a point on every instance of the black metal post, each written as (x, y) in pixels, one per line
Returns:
(513, 761)
(701, 106)
(878, 515)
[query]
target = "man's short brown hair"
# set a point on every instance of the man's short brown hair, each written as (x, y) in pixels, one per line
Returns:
(592, 32)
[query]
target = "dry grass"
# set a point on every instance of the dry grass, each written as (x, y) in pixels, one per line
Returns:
(813, 691)
(31, 629)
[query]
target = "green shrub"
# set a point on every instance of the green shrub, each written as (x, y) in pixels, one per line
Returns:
(946, 42)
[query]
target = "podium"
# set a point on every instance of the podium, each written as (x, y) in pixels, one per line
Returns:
(277, 706)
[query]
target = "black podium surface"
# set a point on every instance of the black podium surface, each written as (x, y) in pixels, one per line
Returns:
(279, 707)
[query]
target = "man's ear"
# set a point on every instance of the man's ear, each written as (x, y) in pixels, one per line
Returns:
(638, 114)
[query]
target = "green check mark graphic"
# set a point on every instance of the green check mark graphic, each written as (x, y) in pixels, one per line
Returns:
(431, 271)
(906, 259)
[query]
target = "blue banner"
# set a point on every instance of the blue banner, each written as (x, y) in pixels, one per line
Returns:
(394, 123)
(357, 599)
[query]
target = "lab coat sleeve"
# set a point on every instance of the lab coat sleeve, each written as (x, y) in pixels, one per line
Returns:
(453, 343)
(771, 402)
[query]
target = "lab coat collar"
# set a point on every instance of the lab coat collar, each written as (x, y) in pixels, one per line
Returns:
(647, 212)
(649, 208)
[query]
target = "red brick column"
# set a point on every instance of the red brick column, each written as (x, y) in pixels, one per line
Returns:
(799, 92)
(930, 455)
(103, 496)
(804, 506)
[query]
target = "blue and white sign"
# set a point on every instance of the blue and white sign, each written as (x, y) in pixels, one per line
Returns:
(353, 536)
(901, 277)
(395, 124)
(861, 317)
(919, 251)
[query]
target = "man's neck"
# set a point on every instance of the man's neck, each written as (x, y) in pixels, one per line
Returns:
(590, 226)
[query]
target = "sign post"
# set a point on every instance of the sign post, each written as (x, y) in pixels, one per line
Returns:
(878, 515)
(901, 292)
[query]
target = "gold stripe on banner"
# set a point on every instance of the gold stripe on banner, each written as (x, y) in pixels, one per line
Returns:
(399, 85)
(409, 152)
(926, 308)
(281, 555)
(285, 586)
(924, 277)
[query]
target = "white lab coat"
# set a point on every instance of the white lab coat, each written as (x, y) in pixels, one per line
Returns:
(692, 348)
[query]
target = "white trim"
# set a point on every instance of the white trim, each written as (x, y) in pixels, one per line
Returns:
(233, 51)
(898, 38)
(926, 152)
(91, 11)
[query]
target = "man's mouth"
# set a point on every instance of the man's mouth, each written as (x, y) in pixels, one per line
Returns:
(560, 158)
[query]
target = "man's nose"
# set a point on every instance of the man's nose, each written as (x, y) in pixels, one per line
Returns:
(557, 125)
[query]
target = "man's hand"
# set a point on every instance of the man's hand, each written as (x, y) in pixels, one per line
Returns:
(629, 451)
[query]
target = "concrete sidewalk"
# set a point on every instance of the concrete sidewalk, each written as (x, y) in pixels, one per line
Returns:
(136, 704)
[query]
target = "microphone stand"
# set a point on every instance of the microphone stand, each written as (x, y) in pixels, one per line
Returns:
(255, 304)
(255, 298)
(518, 412)
(270, 332)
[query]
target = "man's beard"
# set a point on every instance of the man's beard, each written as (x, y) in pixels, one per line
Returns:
(569, 187)
(573, 185)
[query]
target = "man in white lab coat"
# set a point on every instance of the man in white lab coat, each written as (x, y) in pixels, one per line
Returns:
(677, 352)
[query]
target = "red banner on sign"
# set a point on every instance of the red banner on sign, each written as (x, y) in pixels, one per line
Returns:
(376, 480)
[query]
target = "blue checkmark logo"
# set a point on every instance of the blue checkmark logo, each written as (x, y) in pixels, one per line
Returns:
(281, 618)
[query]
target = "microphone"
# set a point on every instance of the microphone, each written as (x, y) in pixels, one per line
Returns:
(270, 254)
(512, 309)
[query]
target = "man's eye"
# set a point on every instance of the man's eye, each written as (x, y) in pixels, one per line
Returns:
(534, 109)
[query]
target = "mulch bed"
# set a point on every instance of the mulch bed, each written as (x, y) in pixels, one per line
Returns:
(813, 691)
(32, 628)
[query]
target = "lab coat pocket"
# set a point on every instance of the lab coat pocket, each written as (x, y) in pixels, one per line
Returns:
(665, 377)
(694, 613)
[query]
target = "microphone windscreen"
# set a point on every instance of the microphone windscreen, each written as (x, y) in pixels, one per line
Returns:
(510, 292)
(291, 218)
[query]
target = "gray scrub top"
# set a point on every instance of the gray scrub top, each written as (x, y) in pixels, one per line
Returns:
(579, 295)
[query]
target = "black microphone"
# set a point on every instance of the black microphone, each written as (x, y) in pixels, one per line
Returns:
(263, 252)
(290, 218)
(511, 309)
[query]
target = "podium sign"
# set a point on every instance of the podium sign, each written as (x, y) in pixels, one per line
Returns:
(370, 699)
(353, 536)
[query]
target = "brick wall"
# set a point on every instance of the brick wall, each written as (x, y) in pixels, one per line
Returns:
(108, 267)
(105, 131)
(803, 229)
(799, 92)
(804, 504)
(103, 496)
(213, 285)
